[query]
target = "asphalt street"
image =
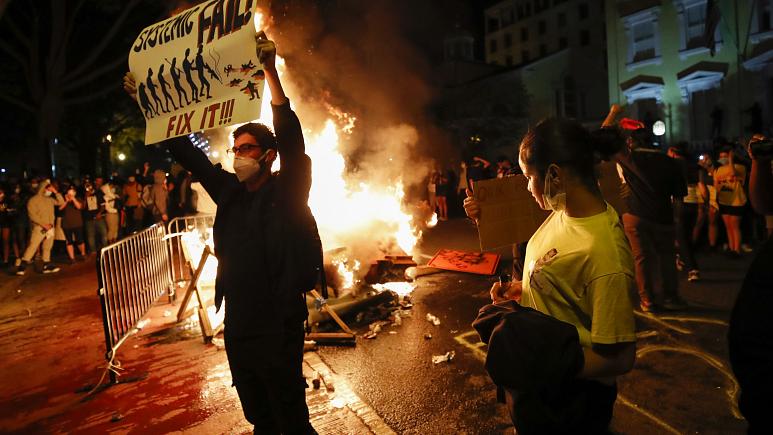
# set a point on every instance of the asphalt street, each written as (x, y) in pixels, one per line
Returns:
(52, 354)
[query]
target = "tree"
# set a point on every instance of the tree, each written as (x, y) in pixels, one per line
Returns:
(66, 54)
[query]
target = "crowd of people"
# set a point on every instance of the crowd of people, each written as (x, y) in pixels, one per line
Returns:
(76, 217)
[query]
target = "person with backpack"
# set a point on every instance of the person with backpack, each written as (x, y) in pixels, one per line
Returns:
(268, 251)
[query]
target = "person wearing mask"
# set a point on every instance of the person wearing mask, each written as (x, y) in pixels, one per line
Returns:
(72, 224)
(709, 210)
(131, 204)
(111, 208)
(259, 217)
(653, 186)
(94, 217)
(729, 179)
(579, 267)
(686, 215)
(750, 334)
(40, 209)
(159, 195)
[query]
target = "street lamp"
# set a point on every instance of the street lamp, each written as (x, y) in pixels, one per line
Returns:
(121, 156)
(109, 137)
(659, 128)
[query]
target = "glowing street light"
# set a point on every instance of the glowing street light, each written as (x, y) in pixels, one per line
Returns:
(659, 128)
(109, 137)
(121, 156)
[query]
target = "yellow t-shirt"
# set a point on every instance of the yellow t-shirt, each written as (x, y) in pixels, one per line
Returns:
(580, 271)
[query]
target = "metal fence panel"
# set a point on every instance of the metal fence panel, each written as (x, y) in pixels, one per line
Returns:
(133, 273)
(175, 228)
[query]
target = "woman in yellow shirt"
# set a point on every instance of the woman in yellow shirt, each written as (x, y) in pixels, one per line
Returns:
(578, 267)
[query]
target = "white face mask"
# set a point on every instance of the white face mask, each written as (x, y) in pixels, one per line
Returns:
(246, 167)
(49, 193)
(551, 201)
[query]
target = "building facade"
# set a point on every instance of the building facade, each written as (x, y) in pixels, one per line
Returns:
(558, 47)
(661, 66)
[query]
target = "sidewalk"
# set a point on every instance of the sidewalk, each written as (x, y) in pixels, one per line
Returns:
(52, 350)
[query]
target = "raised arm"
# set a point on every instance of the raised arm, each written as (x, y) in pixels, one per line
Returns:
(213, 178)
(296, 165)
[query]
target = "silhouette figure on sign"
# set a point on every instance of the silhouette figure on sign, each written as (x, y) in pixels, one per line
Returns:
(259, 75)
(164, 88)
(201, 67)
(147, 108)
(187, 67)
(251, 90)
(228, 70)
(177, 86)
(247, 67)
(152, 88)
(234, 83)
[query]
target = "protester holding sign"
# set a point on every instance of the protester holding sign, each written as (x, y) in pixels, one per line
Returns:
(260, 219)
(579, 269)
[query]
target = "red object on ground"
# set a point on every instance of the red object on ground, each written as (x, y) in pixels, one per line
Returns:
(481, 263)
(631, 124)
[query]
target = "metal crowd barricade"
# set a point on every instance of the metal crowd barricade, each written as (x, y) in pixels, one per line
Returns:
(133, 273)
(201, 222)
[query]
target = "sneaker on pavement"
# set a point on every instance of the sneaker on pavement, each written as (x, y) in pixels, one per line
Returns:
(674, 304)
(20, 270)
(693, 275)
(648, 307)
(746, 248)
(50, 268)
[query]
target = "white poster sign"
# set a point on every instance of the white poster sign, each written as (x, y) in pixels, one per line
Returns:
(198, 70)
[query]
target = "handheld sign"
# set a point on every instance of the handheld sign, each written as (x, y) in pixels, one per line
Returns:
(198, 70)
(508, 213)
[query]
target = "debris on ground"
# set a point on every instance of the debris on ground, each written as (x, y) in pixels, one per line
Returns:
(167, 313)
(338, 403)
(219, 343)
(116, 417)
(392, 332)
(397, 319)
(447, 357)
(428, 336)
(433, 319)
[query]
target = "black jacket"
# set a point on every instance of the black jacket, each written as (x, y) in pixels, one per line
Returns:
(259, 235)
(536, 359)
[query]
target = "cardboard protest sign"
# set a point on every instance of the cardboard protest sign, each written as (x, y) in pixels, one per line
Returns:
(508, 212)
(198, 70)
(482, 263)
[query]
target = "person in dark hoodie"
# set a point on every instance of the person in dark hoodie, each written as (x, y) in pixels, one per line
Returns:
(578, 270)
(261, 219)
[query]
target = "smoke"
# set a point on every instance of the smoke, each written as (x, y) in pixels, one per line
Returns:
(356, 56)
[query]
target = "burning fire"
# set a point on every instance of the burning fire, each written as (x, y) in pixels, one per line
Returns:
(371, 220)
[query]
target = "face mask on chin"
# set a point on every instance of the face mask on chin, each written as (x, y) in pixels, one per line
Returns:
(550, 200)
(723, 161)
(246, 167)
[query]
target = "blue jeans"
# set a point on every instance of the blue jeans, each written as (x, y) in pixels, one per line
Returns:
(96, 232)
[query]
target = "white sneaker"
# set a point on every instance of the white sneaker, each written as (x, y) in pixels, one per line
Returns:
(746, 248)
(693, 275)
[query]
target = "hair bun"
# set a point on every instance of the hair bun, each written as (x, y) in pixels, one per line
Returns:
(607, 142)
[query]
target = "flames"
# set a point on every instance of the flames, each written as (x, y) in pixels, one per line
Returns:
(358, 218)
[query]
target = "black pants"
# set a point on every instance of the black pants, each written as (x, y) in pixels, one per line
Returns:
(268, 375)
(582, 407)
(684, 225)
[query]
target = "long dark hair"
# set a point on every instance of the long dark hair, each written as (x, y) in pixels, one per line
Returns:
(568, 144)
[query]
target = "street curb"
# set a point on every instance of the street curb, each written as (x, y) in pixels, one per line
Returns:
(354, 417)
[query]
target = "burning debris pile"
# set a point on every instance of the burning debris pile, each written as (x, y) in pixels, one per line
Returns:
(368, 227)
